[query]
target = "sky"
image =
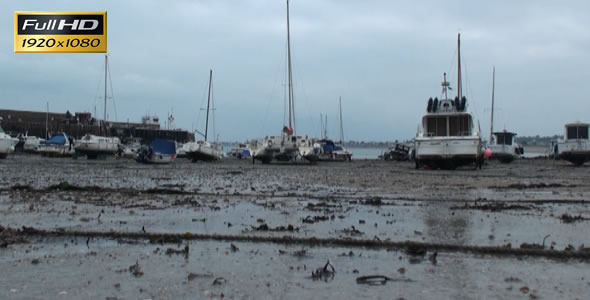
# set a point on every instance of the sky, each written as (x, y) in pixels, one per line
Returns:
(383, 58)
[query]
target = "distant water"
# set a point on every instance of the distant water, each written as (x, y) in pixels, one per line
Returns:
(365, 153)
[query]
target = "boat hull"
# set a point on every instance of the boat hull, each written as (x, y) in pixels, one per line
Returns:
(202, 155)
(575, 151)
(504, 153)
(7, 146)
(448, 152)
(156, 159)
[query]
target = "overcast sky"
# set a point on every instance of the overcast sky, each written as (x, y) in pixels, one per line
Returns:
(384, 58)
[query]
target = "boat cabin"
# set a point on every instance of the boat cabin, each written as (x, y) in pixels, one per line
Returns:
(504, 138)
(447, 121)
(576, 131)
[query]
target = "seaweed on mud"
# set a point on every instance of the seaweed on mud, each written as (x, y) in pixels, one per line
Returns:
(315, 219)
(265, 227)
(494, 207)
(9, 236)
(522, 186)
(566, 218)
(326, 273)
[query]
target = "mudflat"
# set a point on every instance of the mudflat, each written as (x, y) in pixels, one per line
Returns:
(117, 229)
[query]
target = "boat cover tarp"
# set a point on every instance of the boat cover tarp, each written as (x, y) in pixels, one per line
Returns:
(328, 146)
(164, 146)
(57, 140)
(245, 153)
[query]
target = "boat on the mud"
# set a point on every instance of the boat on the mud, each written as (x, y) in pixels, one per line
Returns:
(575, 147)
(31, 143)
(288, 146)
(328, 150)
(447, 138)
(204, 150)
(93, 146)
(59, 145)
(397, 152)
(160, 151)
(243, 150)
(502, 144)
(7, 143)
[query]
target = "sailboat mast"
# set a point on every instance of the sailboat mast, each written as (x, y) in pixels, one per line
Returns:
(105, 88)
(341, 126)
(290, 76)
(459, 91)
(492, 117)
(208, 103)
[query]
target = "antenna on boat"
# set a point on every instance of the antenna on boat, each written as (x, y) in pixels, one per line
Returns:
(290, 77)
(445, 85)
(492, 113)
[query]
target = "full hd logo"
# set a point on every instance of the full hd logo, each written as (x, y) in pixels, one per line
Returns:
(60, 32)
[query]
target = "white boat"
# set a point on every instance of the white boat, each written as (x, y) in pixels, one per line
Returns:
(241, 151)
(7, 143)
(575, 147)
(93, 146)
(502, 145)
(59, 145)
(447, 138)
(31, 143)
(204, 150)
(288, 146)
(160, 151)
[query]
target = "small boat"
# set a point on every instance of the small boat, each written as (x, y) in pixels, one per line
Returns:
(326, 149)
(241, 151)
(398, 152)
(30, 144)
(93, 146)
(160, 151)
(204, 150)
(59, 145)
(7, 143)
(447, 138)
(575, 147)
(502, 146)
(288, 146)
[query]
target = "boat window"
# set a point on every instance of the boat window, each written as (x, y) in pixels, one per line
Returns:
(503, 139)
(436, 126)
(577, 132)
(460, 125)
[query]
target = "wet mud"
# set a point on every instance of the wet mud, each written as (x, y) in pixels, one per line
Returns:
(117, 229)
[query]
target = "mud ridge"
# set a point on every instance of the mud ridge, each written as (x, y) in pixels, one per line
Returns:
(501, 251)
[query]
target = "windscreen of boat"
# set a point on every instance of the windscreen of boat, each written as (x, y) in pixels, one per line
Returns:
(503, 138)
(460, 125)
(577, 132)
(436, 126)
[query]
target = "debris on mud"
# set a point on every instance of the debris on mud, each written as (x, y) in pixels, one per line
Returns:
(493, 207)
(136, 269)
(566, 218)
(219, 281)
(192, 276)
(325, 273)
(352, 231)
(185, 251)
(378, 279)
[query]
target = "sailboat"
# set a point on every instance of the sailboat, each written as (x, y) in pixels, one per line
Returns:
(287, 146)
(204, 150)
(7, 143)
(447, 138)
(503, 146)
(93, 146)
(327, 149)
